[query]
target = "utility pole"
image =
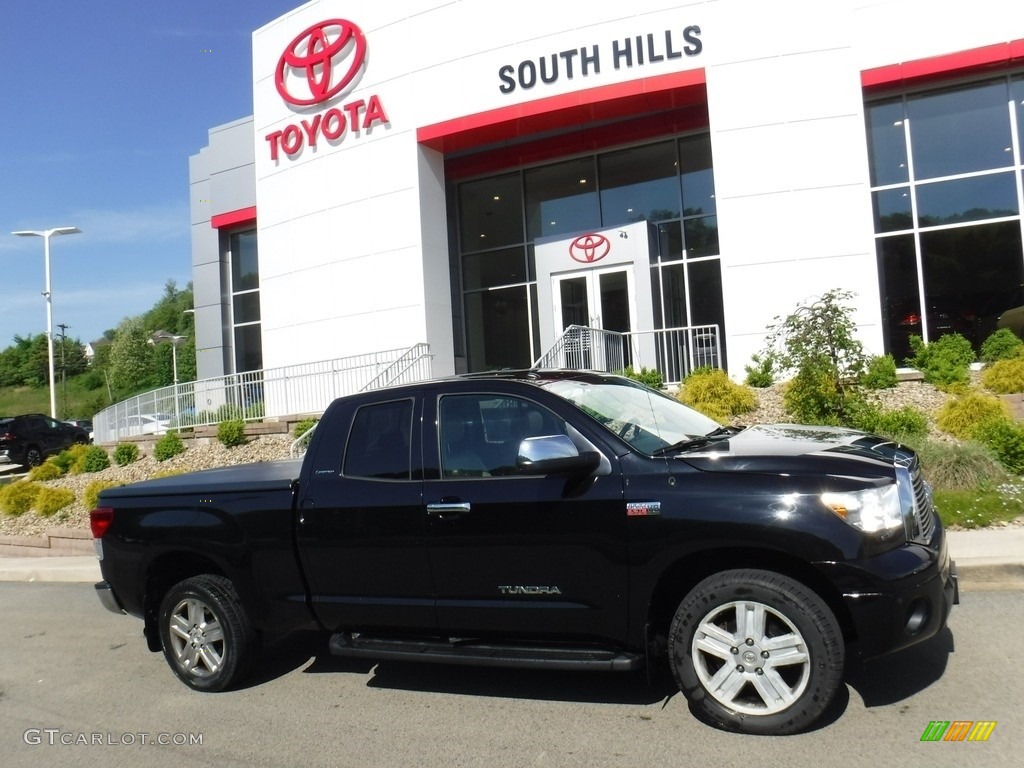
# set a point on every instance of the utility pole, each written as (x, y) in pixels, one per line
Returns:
(63, 368)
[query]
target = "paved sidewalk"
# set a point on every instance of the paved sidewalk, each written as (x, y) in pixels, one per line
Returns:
(985, 559)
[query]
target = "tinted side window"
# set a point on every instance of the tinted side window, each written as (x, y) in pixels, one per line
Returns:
(480, 434)
(379, 445)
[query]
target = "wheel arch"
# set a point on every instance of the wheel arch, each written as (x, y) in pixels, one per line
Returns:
(163, 573)
(684, 574)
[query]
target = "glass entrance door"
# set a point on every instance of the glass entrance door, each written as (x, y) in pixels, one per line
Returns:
(598, 300)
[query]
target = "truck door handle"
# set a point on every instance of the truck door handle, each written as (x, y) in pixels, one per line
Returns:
(448, 509)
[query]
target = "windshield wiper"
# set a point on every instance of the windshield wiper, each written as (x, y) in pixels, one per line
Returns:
(697, 442)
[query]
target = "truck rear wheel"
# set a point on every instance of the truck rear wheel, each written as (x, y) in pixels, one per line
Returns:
(756, 652)
(206, 636)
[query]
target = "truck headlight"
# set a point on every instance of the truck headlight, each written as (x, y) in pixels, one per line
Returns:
(872, 510)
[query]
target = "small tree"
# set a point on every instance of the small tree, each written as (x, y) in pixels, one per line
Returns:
(818, 344)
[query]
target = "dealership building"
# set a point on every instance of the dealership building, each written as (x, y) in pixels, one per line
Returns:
(477, 176)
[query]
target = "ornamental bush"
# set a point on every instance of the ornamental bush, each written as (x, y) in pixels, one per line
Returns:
(49, 500)
(1004, 377)
(92, 459)
(91, 495)
(1001, 345)
(713, 393)
(761, 371)
(125, 454)
(959, 466)
(168, 446)
(1005, 438)
(962, 415)
(650, 377)
(906, 425)
(818, 342)
(880, 373)
(302, 427)
(231, 433)
(943, 362)
(48, 470)
(17, 498)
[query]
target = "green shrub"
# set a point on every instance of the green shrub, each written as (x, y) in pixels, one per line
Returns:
(125, 454)
(231, 433)
(905, 425)
(1001, 345)
(1005, 438)
(818, 342)
(943, 362)
(92, 459)
(959, 466)
(713, 393)
(962, 415)
(167, 446)
(880, 373)
(302, 427)
(91, 495)
(816, 396)
(1004, 377)
(650, 377)
(17, 498)
(761, 371)
(48, 470)
(67, 460)
(49, 500)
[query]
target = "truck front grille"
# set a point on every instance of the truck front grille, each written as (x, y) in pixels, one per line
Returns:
(924, 510)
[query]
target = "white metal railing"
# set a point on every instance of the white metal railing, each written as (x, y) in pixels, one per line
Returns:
(674, 352)
(272, 392)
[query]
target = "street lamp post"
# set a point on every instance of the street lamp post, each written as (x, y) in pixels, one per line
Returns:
(46, 234)
(166, 337)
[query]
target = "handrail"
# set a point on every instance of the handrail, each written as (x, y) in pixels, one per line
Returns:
(674, 352)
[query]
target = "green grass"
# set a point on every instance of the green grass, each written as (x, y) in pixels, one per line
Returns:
(981, 508)
(79, 402)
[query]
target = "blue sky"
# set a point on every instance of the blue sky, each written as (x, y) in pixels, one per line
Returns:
(101, 105)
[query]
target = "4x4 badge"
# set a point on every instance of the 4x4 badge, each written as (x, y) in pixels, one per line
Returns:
(642, 508)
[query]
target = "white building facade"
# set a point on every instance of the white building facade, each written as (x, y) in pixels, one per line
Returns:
(476, 176)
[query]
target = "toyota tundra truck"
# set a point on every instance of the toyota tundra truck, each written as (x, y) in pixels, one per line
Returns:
(545, 519)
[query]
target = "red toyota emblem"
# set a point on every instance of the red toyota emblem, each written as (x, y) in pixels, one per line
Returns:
(313, 51)
(589, 248)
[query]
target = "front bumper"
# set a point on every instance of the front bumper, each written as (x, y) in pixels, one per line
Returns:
(899, 598)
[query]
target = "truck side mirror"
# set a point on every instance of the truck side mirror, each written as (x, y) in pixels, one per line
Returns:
(554, 455)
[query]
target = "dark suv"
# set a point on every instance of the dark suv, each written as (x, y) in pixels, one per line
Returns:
(29, 439)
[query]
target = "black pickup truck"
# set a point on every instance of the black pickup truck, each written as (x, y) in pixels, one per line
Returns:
(545, 519)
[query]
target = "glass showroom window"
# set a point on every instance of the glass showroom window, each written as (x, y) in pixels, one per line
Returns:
(667, 182)
(947, 196)
(245, 302)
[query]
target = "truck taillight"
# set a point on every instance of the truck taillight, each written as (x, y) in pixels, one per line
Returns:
(100, 520)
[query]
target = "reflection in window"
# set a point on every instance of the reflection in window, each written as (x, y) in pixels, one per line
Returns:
(498, 322)
(639, 184)
(379, 444)
(561, 198)
(961, 130)
(491, 212)
(696, 175)
(972, 199)
(245, 301)
(965, 268)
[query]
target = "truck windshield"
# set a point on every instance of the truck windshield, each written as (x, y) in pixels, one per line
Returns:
(645, 419)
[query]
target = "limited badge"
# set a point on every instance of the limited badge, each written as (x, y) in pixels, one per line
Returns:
(642, 508)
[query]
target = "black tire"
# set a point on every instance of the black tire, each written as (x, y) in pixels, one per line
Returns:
(206, 636)
(33, 456)
(722, 640)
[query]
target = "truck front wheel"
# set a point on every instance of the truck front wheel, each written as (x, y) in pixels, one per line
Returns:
(206, 636)
(756, 652)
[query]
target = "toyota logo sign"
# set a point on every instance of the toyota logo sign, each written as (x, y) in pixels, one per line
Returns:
(589, 248)
(313, 53)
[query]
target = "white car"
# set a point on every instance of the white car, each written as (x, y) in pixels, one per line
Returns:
(145, 424)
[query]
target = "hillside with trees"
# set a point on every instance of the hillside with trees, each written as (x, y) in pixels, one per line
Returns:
(124, 362)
